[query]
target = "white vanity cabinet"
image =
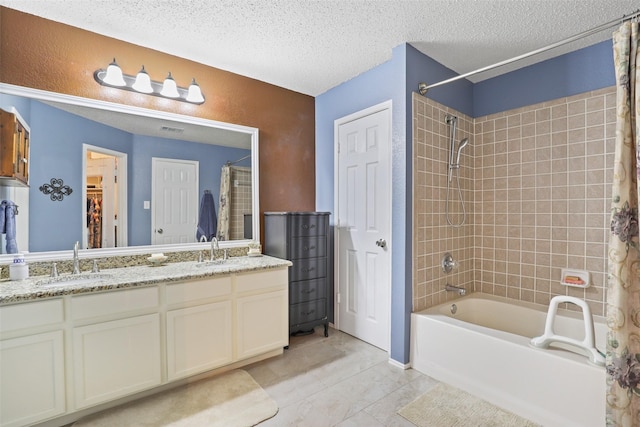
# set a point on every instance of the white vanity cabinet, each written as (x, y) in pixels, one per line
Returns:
(76, 353)
(262, 314)
(32, 385)
(199, 335)
(116, 344)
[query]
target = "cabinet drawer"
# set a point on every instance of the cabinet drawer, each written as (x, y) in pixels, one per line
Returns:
(307, 311)
(196, 290)
(30, 315)
(307, 290)
(304, 269)
(114, 302)
(308, 247)
(307, 225)
(263, 279)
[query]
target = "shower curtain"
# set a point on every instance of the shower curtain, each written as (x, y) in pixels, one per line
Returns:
(225, 192)
(623, 290)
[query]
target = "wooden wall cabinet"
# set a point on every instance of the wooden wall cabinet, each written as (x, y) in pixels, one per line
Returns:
(14, 149)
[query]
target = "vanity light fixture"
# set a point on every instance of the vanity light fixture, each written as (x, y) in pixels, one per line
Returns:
(142, 83)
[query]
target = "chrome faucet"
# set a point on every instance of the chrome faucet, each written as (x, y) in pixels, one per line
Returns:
(459, 290)
(214, 247)
(76, 259)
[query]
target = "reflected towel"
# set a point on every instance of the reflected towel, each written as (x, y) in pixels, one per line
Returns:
(10, 226)
(207, 220)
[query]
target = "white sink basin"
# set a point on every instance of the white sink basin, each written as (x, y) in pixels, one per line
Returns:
(75, 280)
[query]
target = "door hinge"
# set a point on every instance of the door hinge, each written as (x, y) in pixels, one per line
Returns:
(338, 298)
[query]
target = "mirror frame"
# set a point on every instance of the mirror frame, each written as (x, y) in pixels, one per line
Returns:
(42, 95)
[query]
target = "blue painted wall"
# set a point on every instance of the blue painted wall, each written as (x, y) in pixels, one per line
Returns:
(576, 72)
(383, 83)
(420, 68)
(56, 152)
(211, 158)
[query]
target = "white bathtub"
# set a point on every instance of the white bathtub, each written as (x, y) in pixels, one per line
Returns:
(484, 349)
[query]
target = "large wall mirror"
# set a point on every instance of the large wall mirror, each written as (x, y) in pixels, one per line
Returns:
(140, 174)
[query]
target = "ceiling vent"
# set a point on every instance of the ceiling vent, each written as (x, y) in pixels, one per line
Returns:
(171, 129)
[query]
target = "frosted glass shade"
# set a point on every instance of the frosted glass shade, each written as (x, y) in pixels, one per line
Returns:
(143, 82)
(170, 88)
(194, 94)
(114, 75)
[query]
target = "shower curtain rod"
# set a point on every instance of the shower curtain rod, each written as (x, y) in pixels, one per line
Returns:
(229, 163)
(423, 87)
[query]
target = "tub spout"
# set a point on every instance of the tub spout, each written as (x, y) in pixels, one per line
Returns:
(459, 290)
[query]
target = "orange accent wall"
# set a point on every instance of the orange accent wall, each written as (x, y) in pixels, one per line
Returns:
(47, 55)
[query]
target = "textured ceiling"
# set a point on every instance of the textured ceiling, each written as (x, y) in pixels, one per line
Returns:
(311, 46)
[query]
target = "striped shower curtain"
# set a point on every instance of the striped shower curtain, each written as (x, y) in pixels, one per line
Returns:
(623, 289)
(225, 203)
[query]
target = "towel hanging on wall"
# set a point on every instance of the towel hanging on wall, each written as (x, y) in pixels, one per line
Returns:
(8, 209)
(207, 219)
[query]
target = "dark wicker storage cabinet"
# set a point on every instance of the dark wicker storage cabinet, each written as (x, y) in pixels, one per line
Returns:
(303, 239)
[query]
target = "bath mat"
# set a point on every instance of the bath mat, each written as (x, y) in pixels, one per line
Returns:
(447, 406)
(231, 399)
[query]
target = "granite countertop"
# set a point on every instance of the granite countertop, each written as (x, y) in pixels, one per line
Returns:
(41, 287)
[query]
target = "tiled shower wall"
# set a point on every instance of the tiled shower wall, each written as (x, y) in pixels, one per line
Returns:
(433, 237)
(240, 200)
(539, 192)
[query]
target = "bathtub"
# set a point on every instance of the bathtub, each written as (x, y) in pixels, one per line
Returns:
(484, 349)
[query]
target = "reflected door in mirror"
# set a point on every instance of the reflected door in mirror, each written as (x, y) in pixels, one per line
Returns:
(175, 201)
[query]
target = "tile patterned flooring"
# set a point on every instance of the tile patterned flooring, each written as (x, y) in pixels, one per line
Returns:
(337, 381)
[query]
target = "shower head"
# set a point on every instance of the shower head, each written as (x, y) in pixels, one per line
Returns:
(462, 144)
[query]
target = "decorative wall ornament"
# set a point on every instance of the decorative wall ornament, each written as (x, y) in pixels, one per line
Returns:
(57, 190)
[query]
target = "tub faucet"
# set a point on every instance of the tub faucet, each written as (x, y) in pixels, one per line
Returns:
(76, 260)
(459, 290)
(214, 247)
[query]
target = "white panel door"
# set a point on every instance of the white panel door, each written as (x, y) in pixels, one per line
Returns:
(363, 225)
(175, 201)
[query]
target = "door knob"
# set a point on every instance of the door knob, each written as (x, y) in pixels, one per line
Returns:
(159, 230)
(382, 243)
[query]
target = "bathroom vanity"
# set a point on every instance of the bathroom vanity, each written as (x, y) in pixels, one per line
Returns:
(72, 346)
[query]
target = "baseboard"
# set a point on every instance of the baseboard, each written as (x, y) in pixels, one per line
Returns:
(397, 364)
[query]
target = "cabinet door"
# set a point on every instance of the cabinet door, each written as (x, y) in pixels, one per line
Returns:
(117, 358)
(32, 371)
(262, 323)
(198, 339)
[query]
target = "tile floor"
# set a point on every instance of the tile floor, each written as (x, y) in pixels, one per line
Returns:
(337, 381)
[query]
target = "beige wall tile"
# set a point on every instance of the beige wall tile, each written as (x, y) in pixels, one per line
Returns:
(536, 182)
